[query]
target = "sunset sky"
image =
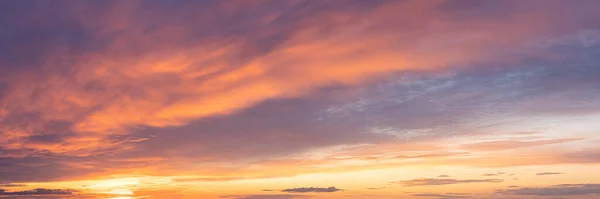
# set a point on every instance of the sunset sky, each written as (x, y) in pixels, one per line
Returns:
(300, 99)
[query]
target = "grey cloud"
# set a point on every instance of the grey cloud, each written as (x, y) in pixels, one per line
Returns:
(587, 155)
(478, 92)
(39, 166)
(259, 132)
(556, 190)
(433, 195)
(445, 181)
(311, 189)
(12, 185)
(39, 191)
(376, 188)
(286, 196)
(494, 174)
(548, 173)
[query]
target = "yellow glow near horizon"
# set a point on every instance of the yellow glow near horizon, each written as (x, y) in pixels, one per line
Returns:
(114, 186)
(114, 183)
(120, 191)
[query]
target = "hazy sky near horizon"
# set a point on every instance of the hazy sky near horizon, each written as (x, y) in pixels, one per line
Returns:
(290, 99)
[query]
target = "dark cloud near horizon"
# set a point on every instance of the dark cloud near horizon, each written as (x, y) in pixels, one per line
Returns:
(38, 191)
(286, 196)
(12, 185)
(548, 173)
(376, 188)
(443, 181)
(556, 190)
(490, 174)
(312, 190)
(441, 196)
(494, 174)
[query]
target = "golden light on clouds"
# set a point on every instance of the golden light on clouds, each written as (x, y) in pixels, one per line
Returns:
(299, 99)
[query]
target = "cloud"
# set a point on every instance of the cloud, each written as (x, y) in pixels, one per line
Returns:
(123, 66)
(512, 144)
(548, 173)
(445, 181)
(556, 190)
(39, 191)
(445, 196)
(376, 188)
(97, 88)
(494, 174)
(266, 196)
(12, 185)
(311, 189)
(443, 176)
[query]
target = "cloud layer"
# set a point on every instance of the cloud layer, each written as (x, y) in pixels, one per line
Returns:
(39, 191)
(219, 92)
(556, 190)
(311, 189)
(444, 181)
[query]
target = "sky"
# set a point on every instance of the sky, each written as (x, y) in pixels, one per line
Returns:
(294, 99)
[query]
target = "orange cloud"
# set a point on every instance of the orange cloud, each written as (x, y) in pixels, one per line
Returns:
(145, 68)
(167, 76)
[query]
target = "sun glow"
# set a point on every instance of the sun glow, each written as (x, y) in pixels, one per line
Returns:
(114, 186)
(120, 191)
(114, 183)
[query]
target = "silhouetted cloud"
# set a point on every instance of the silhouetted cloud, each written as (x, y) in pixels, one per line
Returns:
(12, 185)
(441, 196)
(286, 196)
(39, 191)
(376, 188)
(494, 174)
(548, 173)
(311, 189)
(556, 190)
(445, 181)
